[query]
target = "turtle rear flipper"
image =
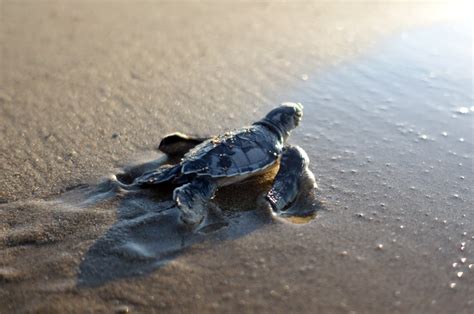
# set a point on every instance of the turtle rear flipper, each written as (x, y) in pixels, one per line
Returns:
(177, 144)
(192, 200)
(293, 190)
(158, 176)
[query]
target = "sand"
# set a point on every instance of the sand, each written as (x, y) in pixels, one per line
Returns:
(86, 88)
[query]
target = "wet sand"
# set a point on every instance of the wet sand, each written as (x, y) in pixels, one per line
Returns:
(88, 88)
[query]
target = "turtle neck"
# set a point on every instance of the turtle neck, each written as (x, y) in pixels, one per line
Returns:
(272, 127)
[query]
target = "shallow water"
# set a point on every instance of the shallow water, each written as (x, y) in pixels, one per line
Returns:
(400, 116)
(390, 139)
(402, 112)
(390, 136)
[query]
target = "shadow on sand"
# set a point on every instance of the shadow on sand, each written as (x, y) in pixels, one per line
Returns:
(147, 234)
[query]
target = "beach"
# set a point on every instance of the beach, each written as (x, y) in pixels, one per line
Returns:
(89, 89)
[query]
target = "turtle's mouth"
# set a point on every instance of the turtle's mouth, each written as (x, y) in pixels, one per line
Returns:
(297, 120)
(298, 117)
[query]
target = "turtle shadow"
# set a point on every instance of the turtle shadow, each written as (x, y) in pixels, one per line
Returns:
(143, 240)
(147, 234)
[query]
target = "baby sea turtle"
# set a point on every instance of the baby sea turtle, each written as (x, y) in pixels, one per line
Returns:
(210, 163)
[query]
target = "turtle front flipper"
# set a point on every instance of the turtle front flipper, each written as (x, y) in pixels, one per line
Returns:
(192, 199)
(177, 144)
(293, 190)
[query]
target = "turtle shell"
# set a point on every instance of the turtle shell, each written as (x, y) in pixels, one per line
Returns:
(235, 153)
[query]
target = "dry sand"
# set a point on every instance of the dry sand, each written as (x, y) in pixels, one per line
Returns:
(87, 87)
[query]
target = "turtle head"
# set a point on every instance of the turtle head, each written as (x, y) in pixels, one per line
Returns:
(284, 118)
